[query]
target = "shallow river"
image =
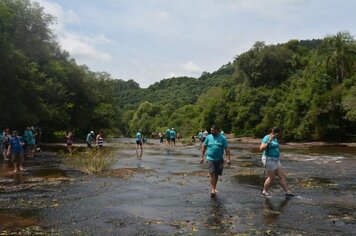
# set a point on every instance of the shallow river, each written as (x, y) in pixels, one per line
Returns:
(166, 192)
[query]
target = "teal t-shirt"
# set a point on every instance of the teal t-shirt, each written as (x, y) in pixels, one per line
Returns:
(138, 136)
(272, 149)
(29, 137)
(168, 133)
(172, 134)
(215, 147)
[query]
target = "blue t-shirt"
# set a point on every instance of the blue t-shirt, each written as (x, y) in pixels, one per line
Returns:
(138, 136)
(272, 149)
(16, 146)
(215, 147)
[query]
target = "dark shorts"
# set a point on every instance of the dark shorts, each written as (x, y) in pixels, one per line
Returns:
(17, 157)
(216, 167)
(69, 144)
(138, 142)
(173, 139)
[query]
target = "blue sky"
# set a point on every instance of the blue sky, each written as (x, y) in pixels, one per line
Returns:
(149, 40)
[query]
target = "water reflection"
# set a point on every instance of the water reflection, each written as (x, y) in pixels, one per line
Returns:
(272, 211)
(217, 216)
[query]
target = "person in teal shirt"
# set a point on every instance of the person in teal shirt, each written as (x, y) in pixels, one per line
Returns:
(214, 146)
(270, 159)
(168, 136)
(173, 136)
(139, 143)
(29, 141)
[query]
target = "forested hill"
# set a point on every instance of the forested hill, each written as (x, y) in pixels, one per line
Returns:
(307, 87)
(177, 91)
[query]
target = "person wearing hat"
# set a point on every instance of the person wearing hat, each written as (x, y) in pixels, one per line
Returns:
(16, 149)
(90, 138)
(139, 143)
(271, 161)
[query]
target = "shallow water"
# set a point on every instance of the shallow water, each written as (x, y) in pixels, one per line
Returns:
(166, 192)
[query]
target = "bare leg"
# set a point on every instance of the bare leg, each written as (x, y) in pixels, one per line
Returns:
(282, 179)
(213, 182)
(269, 180)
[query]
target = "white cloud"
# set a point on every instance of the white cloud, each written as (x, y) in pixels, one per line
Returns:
(191, 67)
(79, 48)
(72, 17)
(163, 16)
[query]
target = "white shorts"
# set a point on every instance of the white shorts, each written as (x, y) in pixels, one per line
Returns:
(272, 163)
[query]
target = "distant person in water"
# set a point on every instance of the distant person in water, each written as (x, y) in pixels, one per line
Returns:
(6, 142)
(173, 136)
(99, 140)
(168, 136)
(16, 149)
(161, 135)
(70, 141)
(139, 143)
(214, 146)
(200, 136)
(271, 161)
(90, 139)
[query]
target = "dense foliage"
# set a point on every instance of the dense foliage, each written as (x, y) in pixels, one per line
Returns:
(307, 87)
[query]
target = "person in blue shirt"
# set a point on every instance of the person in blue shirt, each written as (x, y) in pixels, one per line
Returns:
(139, 143)
(16, 149)
(271, 161)
(214, 146)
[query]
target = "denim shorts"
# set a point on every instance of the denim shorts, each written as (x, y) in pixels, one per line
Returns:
(272, 163)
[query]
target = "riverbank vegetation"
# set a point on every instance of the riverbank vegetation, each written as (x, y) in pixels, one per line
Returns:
(93, 161)
(307, 87)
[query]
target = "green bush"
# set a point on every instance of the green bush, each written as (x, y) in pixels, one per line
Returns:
(90, 162)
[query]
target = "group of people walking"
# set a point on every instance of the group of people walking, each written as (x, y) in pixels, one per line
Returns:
(14, 147)
(89, 139)
(213, 148)
(215, 144)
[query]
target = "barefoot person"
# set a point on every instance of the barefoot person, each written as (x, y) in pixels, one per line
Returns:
(70, 141)
(215, 144)
(271, 162)
(139, 143)
(16, 149)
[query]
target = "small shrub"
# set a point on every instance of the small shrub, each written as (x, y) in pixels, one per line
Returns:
(91, 161)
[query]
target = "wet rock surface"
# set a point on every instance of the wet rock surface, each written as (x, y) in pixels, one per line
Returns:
(166, 192)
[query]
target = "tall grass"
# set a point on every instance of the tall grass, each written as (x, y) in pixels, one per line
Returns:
(94, 161)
